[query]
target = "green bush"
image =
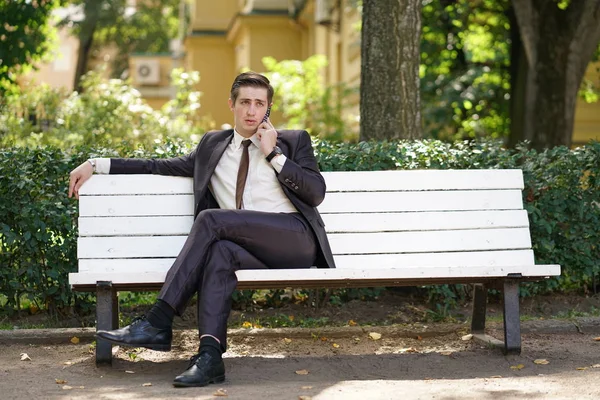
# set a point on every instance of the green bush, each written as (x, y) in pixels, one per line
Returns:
(38, 223)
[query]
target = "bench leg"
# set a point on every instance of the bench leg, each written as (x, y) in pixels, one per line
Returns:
(107, 318)
(512, 322)
(479, 309)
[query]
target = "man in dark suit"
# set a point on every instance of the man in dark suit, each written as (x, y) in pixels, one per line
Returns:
(256, 191)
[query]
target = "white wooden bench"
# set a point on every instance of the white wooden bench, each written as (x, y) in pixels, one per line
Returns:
(386, 228)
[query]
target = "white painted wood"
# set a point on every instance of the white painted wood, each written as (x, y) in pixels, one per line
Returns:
(112, 206)
(323, 274)
(343, 243)
(334, 203)
(136, 184)
(377, 261)
(336, 182)
(334, 223)
(421, 201)
(135, 226)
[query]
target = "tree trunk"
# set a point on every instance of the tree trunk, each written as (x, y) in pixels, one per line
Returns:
(390, 106)
(86, 39)
(558, 45)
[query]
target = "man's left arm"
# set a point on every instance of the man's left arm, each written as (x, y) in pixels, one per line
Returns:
(301, 174)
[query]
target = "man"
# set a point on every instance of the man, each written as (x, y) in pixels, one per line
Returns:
(255, 193)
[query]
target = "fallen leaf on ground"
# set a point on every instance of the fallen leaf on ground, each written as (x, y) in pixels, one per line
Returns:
(352, 323)
(581, 368)
(304, 398)
(419, 337)
(496, 376)
(302, 372)
(60, 381)
(336, 345)
(597, 339)
(287, 340)
(291, 317)
(307, 387)
(147, 384)
(220, 392)
(517, 367)
(375, 335)
(323, 338)
(25, 357)
(541, 361)
(408, 350)
(129, 372)
(467, 337)
(596, 366)
(357, 339)
(67, 387)
(74, 340)
(247, 324)
(446, 352)
(68, 362)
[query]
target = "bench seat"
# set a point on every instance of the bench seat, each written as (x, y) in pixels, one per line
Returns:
(386, 228)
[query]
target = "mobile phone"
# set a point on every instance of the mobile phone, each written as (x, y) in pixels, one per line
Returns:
(266, 117)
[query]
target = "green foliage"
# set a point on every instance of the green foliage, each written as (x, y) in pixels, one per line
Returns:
(305, 101)
(105, 114)
(38, 224)
(26, 36)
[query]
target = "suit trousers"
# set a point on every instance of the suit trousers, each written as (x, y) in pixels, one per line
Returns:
(224, 241)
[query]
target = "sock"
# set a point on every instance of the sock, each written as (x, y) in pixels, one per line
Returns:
(161, 315)
(211, 346)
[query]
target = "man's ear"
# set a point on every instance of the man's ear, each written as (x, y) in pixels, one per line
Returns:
(230, 102)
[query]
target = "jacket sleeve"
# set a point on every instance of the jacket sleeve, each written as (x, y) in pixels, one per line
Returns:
(177, 166)
(301, 174)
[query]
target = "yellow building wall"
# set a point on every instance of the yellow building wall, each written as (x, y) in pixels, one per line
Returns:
(587, 115)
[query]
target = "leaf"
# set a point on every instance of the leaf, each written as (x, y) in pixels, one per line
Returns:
(307, 387)
(419, 337)
(304, 398)
(517, 367)
(597, 339)
(408, 350)
(375, 335)
(336, 345)
(147, 384)
(446, 352)
(302, 372)
(352, 323)
(129, 372)
(288, 341)
(60, 381)
(596, 366)
(357, 339)
(323, 339)
(541, 361)
(67, 387)
(467, 337)
(581, 368)
(25, 357)
(220, 393)
(75, 340)
(247, 324)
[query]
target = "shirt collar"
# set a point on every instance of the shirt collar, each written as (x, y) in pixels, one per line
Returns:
(237, 139)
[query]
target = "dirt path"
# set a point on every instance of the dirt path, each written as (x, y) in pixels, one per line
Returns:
(357, 367)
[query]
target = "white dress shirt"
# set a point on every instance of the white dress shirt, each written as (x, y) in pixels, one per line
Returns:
(262, 192)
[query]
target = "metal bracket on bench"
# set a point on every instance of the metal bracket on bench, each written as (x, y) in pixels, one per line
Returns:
(107, 318)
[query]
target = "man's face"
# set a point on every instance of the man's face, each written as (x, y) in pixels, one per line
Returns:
(249, 109)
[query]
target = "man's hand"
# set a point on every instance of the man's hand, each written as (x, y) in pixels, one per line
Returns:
(78, 176)
(268, 137)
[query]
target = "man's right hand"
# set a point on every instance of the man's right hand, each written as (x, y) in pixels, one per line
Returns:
(78, 176)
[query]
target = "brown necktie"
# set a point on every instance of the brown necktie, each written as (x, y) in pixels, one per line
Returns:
(242, 174)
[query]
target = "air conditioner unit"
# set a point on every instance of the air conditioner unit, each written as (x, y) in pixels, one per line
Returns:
(147, 72)
(323, 12)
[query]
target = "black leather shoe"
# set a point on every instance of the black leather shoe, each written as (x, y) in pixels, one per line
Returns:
(139, 334)
(203, 369)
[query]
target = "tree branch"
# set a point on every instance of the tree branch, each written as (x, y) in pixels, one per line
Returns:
(587, 35)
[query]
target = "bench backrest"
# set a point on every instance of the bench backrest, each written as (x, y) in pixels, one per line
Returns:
(374, 219)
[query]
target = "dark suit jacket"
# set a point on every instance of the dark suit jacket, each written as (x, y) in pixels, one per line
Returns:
(300, 178)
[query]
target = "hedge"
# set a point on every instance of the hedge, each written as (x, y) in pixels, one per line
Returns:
(38, 223)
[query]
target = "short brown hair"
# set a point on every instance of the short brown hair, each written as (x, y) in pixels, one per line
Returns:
(252, 79)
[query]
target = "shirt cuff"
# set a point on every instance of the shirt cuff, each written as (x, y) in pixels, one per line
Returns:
(102, 165)
(278, 162)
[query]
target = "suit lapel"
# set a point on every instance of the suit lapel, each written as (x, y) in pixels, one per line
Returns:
(222, 141)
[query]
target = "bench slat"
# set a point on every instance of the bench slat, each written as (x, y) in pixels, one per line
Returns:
(458, 259)
(334, 203)
(377, 222)
(289, 276)
(343, 243)
(336, 181)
